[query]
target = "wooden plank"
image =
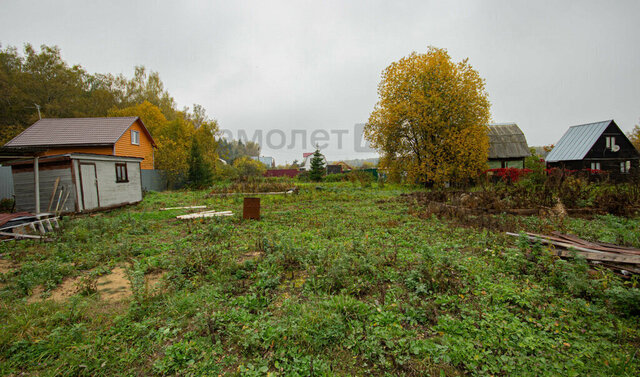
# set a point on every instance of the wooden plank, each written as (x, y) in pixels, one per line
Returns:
(188, 207)
(587, 253)
(18, 236)
(53, 193)
(598, 245)
(204, 214)
(291, 191)
(605, 257)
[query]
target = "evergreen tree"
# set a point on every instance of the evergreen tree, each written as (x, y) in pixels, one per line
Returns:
(200, 174)
(317, 167)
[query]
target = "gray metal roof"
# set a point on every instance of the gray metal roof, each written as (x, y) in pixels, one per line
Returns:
(577, 141)
(506, 140)
(72, 131)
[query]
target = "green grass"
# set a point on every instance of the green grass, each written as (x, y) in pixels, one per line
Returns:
(338, 281)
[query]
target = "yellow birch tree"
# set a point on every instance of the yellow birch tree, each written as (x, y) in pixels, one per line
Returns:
(430, 120)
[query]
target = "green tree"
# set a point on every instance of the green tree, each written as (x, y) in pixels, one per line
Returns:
(249, 168)
(634, 137)
(42, 79)
(200, 174)
(317, 169)
(234, 149)
(430, 120)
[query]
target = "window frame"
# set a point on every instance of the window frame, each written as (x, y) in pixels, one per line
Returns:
(121, 167)
(595, 166)
(135, 137)
(625, 167)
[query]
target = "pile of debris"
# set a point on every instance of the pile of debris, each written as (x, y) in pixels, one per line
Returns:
(621, 259)
(21, 225)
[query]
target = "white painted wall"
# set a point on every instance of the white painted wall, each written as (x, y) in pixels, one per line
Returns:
(113, 193)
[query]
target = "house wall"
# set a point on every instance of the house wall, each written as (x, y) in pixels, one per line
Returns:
(24, 187)
(612, 166)
(124, 147)
(112, 193)
(599, 149)
(91, 150)
(608, 159)
(497, 164)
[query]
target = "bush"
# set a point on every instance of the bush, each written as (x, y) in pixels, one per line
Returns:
(626, 301)
(6, 205)
(342, 177)
(249, 168)
(359, 176)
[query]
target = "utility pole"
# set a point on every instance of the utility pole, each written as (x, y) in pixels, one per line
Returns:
(38, 107)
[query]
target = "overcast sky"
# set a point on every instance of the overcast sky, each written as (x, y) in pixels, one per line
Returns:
(316, 65)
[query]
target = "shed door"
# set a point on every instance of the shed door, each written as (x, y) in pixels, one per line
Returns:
(89, 186)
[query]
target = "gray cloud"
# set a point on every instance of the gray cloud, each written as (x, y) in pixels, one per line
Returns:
(316, 65)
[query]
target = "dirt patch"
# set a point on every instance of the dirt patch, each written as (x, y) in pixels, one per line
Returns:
(66, 289)
(154, 282)
(251, 255)
(115, 286)
(6, 266)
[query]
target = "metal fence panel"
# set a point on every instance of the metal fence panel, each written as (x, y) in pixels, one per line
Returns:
(153, 180)
(6, 182)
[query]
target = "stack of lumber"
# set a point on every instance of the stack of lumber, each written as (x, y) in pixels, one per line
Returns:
(625, 260)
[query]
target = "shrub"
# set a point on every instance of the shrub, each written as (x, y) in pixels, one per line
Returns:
(249, 168)
(342, 177)
(626, 301)
(6, 205)
(508, 174)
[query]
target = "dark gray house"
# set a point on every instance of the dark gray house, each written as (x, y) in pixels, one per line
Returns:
(507, 146)
(597, 146)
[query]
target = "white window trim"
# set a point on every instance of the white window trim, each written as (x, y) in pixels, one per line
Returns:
(625, 167)
(135, 137)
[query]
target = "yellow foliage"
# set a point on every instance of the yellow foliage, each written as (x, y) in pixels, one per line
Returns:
(634, 137)
(150, 115)
(248, 167)
(174, 138)
(430, 121)
(172, 158)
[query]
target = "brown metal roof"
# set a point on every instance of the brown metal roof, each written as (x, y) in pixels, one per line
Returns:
(506, 140)
(72, 132)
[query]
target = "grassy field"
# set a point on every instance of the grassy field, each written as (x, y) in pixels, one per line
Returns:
(343, 280)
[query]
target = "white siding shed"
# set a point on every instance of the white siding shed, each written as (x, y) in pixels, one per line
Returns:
(88, 182)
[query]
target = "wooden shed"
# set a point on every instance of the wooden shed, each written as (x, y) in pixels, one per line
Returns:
(507, 146)
(87, 182)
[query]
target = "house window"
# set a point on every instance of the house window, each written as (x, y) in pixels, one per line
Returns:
(135, 137)
(625, 166)
(595, 166)
(121, 173)
(611, 141)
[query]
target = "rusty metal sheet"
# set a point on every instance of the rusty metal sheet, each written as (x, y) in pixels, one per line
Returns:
(251, 209)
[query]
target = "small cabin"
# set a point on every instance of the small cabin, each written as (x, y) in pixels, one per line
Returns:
(507, 146)
(596, 146)
(85, 182)
(114, 136)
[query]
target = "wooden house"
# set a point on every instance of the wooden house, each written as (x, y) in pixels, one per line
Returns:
(85, 182)
(115, 136)
(596, 146)
(306, 160)
(507, 146)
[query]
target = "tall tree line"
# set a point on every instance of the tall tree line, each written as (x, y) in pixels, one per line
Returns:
(40, 83)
